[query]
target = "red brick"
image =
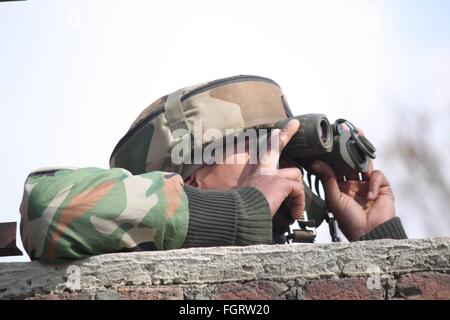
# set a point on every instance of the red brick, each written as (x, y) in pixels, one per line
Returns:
(341, 289)
(247, 291)
(424, 286)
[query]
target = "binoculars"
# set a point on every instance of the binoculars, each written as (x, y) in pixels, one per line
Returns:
(337, 144)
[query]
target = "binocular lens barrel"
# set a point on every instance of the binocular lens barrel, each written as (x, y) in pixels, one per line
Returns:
(314, 138)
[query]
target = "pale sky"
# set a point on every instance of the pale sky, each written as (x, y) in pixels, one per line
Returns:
(75, 74)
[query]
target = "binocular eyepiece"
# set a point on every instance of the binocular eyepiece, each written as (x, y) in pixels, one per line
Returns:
(338, 144)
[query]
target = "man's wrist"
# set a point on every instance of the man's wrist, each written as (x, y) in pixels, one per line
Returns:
(254, 222)
(212, 218)
(391, 229)
(232, 217)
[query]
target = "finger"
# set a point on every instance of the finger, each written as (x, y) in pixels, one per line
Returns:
(287, 132)
(329, 180)
(294, 174)
(297, 194)
(360, 131)
(353, 188)
(377, 180)
(269, 155)
(279, 138)
(366, 175)
(370, 166)
(345, 127)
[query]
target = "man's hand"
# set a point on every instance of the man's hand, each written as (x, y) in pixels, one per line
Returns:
(359, 206)
(278, 184)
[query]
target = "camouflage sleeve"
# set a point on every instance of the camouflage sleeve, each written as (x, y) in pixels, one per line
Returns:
(70, 214)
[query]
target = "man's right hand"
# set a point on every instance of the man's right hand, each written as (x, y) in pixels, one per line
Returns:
(279, 184)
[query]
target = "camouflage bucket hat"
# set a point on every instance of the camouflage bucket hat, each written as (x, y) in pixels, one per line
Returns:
(239, 103)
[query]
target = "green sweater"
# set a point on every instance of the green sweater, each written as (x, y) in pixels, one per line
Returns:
(75, 213)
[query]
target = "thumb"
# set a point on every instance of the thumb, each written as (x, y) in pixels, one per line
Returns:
(279, 138)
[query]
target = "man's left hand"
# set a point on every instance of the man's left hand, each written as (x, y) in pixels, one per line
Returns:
(359, 206)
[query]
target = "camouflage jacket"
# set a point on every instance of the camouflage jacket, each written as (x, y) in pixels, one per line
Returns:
(69, 214)
(74, 213)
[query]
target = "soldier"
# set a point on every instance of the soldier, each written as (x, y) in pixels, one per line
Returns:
(149, 200)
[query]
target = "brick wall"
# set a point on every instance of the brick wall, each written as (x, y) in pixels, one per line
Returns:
(383, 269)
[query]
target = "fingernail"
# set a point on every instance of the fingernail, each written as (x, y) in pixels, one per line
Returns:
(370, 195)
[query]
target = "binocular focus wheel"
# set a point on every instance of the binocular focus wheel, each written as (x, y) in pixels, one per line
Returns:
(303, 236)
